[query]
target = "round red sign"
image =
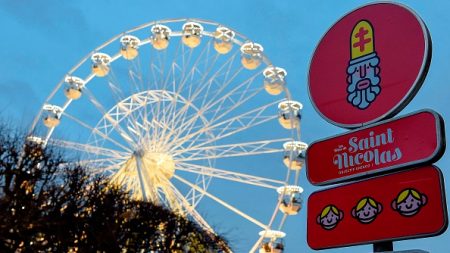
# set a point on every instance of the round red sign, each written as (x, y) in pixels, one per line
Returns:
(369, 65)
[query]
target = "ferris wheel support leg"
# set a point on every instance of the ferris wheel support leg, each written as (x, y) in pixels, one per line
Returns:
(140, 170)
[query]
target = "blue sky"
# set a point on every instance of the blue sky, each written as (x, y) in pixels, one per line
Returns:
(42, 40)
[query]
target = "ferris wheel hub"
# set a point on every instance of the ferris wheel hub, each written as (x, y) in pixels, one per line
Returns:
(159, 163)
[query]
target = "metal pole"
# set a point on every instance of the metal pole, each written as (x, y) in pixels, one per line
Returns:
(140, 168)
(383, 246)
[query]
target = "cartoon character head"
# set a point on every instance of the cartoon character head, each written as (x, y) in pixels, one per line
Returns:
(409, 202)
(363, 71)
(330, 217)
(366, 210)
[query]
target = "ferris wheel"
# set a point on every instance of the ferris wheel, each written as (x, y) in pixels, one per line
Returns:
(183, 110)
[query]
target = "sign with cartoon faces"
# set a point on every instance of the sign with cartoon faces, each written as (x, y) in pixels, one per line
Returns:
(382, 147)
(403, 205)
(369, 65)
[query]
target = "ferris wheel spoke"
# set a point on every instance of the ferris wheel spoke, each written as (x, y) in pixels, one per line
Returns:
(230, 175)
(96, 131)
(114, 86)
(154, 110)
(129, 112)
(204, 87)
(125, 114)
(126, 108)
(200, 90)
(112, 119)
(168, 123)
(135, 74)
(176, 70)
(123, 180)
(186, 127)
(145, 125)
(160, 126)
(283, 220)
(184, 75)
(172, 134)
(257, 244)
(162, 67)
(99, 161)
(190, 209)
(94, 164)
(230, 126)
(243, 97)
(95, 150)
(157, 72)
(183, 126)
(167, 197)
(200, 86)
(223, 203)
(220, 95)
(228, 79)
(173, 103)
(183, 110)
(195, 69)
(163, 116)
(202, 152)
(186, 56)
(110, 168)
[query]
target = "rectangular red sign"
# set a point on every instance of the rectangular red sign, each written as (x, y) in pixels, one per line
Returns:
(403, 142)
(403, 205)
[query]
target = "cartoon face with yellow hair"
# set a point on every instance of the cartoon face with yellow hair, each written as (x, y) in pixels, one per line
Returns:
(409, 202)
(366, 210)
(330, 217)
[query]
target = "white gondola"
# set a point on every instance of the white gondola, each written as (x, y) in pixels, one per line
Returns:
(223, 40)
(274, 80)
(294, 154)
(34, 145)
(192, 33)
(129, 47)
(272, 242)
(251, 54)
(35, 140)
(52, 115)
(73, 87)
(100, 64)
(292, 199)
(289, 114)
(160, 36)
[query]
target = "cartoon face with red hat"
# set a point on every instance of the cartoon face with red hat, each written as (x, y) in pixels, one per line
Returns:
(363, 71)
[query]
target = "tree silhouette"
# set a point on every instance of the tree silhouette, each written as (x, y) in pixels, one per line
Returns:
(50, 205)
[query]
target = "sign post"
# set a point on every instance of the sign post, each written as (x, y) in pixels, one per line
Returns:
(366, 68)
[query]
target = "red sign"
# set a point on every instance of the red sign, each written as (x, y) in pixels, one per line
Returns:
(404, 205)
(395, 144)
(369, 65)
